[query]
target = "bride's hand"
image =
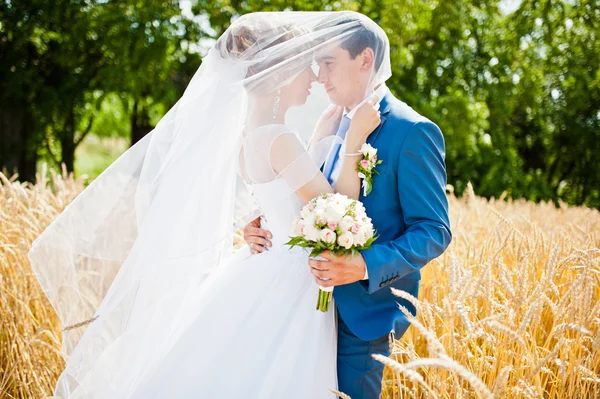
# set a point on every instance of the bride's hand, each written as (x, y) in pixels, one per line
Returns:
(364, 122)
(328, 123)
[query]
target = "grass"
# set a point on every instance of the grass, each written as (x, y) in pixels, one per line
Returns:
(93, 155)
(511, 310)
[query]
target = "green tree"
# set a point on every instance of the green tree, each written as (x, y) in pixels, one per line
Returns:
(60, 60)
(516, 95)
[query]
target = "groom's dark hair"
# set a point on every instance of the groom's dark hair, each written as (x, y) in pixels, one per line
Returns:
(362, 36)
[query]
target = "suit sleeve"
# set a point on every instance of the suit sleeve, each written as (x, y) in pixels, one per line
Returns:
(422, 194)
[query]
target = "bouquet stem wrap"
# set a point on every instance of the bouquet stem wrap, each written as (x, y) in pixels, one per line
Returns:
(325, 293)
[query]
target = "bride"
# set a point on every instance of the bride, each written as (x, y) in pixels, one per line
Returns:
(140, 267)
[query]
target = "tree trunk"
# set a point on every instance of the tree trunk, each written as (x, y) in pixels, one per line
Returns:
(67, 142)
(17, 148)
(68, 154)
(140, 122)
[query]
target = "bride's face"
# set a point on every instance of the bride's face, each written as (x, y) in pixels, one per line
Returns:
(296, 93)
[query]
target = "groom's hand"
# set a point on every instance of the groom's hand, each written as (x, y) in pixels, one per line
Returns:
(257, 238)
(339, 270)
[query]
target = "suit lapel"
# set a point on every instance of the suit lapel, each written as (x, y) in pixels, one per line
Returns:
(385, 107)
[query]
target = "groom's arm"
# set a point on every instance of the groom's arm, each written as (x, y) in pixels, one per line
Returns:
(422, 194)
(257, 238)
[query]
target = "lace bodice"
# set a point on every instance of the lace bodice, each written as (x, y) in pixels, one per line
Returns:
(274, 164)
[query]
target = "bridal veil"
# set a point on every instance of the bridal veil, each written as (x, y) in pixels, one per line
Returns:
(130, 254)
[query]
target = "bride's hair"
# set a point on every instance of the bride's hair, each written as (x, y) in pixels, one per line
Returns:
(247, 39)
(273, 49)
(241, 38)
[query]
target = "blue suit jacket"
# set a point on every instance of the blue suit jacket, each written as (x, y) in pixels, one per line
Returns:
(409, 209)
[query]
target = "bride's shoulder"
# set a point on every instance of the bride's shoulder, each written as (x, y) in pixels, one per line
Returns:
(273, 128)
(268, 134)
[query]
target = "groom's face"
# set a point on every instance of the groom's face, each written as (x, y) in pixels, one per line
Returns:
(342, 76)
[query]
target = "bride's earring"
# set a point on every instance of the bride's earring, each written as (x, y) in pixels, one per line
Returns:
(277, 100)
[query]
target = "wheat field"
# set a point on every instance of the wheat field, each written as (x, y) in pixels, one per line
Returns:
(511, 310)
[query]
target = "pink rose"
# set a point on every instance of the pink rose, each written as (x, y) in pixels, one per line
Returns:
(328, 236)
(364, 163)
(345, 240)
(298, 226)
(321, 220)
(332, 225)
(311, 206)
(356, 228)
(375, 159)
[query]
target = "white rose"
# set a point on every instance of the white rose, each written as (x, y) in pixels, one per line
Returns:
(305, 212)
(310, 219)
(367, 231)
(328, 236)
(368, 150)
(311, 233)
(360, 213)
(346, 223)
(321, 203)
(335, 212)
(359, 239)
(340, 197)
(298, 225)
(345, 240)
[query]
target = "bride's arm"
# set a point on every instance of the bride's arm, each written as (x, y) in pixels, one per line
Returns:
(327, 125)
(363, 124)
(348, 182)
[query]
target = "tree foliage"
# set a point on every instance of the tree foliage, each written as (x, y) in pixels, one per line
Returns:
(517, 94)
(59, 60)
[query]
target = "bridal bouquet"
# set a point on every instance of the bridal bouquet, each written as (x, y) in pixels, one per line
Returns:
(336, 223)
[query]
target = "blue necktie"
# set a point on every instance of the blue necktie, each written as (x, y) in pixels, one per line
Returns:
(335, 151)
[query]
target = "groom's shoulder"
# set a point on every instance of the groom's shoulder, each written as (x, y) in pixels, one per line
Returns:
(401, 114)
(402, 119)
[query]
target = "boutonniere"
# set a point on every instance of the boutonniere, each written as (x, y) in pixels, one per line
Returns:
(367, 167)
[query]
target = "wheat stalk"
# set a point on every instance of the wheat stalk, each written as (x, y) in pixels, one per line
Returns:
(511, 309)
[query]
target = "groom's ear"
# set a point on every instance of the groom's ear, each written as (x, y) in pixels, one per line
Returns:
(368, 59)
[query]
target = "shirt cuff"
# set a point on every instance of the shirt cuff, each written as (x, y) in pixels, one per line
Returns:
(366, 277)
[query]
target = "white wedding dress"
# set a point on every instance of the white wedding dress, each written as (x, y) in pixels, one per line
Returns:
(258, 334)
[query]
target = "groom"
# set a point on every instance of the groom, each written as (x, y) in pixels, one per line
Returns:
(408, 207)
